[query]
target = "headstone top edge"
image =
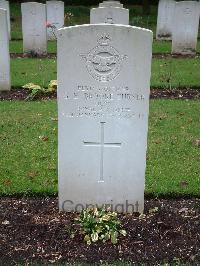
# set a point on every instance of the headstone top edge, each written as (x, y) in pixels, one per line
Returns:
(187, 2)
(167, 1)
(54, 2)
(110, 7)
(30, 3)
(106, 26)
(3, 10)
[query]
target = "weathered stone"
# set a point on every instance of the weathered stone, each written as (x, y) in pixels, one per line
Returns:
(4, 55)
(5, 5)
(103, 105)
(165, 19)
(55, 18)
(185, 30)
(34, 28)
(109, 15)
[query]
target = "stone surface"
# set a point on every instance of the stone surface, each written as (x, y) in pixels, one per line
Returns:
(55, 17)
(5, 5)
(185, 30)
(165, 19)
(103, 103)
(110, 4)
(34, 28)
(109, 15)
(4, 55)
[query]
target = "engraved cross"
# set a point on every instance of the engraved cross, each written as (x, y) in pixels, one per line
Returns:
(102, 144)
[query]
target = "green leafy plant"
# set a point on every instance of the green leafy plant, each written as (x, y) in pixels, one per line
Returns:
(100, 224)
(36, 90)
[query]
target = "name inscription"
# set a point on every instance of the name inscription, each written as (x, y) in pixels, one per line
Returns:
(98, 102)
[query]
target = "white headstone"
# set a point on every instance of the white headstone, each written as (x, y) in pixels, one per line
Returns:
(103, 103)
(5, 5)
(165, 19)
(111, 4)
(4, 54)
(55, 17)
(185, 30)
(34, 28)
(109, 15)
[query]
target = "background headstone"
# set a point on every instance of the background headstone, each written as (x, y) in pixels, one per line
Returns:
(5, 5)
(165, 19)
(4, 52)
(185, 30)
(55, 17)
(34, 28)
(103, 103)
(109, 15)
(111, 4)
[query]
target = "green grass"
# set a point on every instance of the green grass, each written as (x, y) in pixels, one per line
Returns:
(175, 73)
(165, 47)
(29, 164)
(16, 46)
(38, 71)
(172, 156)
(166, 73)
(158, 47)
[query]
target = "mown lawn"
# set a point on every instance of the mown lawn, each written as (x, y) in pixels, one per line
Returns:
(28, 134)
(166, 73)
(158, 47)
(16, 46)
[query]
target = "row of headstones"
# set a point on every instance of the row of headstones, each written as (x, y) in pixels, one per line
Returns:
(179, 18)
(34, 18)
(54, 14)
(35, 27)
(40, 23)
(176, 20)
(179, 22)
(36, 24)
(103, 104)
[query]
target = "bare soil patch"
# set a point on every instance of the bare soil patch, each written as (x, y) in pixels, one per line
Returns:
(156, 93)
(54, 55)
(33, 231)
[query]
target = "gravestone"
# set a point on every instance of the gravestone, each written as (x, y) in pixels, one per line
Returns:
(109, 15)
(185, 30)
(34, 28)
(4, 54)
(5, 5)
(103, 103)
(165, 19)
(111, 4)
(55, 17)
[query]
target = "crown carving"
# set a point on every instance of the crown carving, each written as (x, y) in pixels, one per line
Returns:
(104, 40)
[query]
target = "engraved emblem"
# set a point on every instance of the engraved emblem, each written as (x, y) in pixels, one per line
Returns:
(104, 62)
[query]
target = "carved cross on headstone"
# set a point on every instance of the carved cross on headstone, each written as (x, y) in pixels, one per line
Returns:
(102, 144)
